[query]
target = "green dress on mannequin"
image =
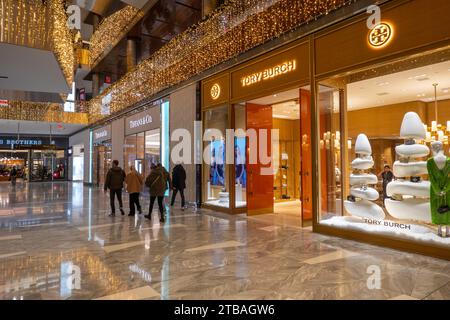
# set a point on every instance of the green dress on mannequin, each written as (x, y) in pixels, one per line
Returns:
(439, 191)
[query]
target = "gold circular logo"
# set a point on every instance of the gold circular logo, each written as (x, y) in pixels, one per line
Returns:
(215, 91)
(380, 35)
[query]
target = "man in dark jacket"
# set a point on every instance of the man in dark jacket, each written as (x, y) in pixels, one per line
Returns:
(13, 175)
(157, 181)
(114, 182)
(178, 184)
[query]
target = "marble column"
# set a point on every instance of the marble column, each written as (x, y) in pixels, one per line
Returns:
(131, 53)
(95, 84)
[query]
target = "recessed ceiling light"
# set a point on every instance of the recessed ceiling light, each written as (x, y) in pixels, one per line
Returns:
(420, 95)
(275, 95)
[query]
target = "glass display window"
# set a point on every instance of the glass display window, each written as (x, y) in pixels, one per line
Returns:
(215, 173)
(384, 153)
(142, 150)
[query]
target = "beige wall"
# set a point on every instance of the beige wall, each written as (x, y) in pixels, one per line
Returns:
(81, 138)
(118, 140)
(182, 115)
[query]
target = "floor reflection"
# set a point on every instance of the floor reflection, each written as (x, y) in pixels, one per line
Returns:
(58, 242)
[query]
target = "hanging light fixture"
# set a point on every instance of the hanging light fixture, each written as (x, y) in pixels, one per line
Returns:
(437, 131)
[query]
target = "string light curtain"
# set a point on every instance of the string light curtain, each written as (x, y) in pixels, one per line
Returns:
(62, 39)
(46, 112)
(236, 27)
(24, 23)
(110, 31)
(41, 25)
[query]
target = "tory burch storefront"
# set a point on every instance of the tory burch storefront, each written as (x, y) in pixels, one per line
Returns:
(256, 166)
(352, 130)
(383, 124)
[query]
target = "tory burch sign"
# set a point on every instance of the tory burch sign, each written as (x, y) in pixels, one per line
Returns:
(269, 73)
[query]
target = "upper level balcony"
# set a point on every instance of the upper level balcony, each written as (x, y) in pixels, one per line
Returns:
(37, 62)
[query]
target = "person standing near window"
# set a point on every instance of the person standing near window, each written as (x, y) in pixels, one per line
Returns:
(13, 176)
(114, 182)
(134, 182)
(178, 184)
(387, 177)
(157, 182)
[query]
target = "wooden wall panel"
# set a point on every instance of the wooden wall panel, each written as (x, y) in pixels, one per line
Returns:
(416, 23)
(383, 121)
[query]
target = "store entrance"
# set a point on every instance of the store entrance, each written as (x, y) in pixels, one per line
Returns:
(102, 162)
(280, 191)
(18, 159)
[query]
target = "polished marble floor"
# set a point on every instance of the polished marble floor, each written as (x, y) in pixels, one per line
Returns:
(57, 242)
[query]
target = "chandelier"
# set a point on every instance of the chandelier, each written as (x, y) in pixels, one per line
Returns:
(437, 131)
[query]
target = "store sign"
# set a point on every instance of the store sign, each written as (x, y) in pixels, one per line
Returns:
(143, 121)
(106, 100)
(4, 103)
(386, 223)
(147, 119)
(82, 94)
(269, 73)
(380, 35)
(20, 142)
(102, 134)
(215, 91)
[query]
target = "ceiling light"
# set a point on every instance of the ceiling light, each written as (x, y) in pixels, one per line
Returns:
(418, 76)
(383, 83)
(420, 95)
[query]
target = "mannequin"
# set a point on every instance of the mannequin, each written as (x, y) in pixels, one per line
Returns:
(439, 173)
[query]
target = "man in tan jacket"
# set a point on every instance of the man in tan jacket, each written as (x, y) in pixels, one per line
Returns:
(134, 183)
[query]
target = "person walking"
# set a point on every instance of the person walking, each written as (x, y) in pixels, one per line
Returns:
(178, 184)
(114, 182)
(157, 182)
(134, 182)
(13, 175)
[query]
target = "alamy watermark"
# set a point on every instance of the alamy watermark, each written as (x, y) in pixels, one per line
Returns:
(374, 280)
(235, 146)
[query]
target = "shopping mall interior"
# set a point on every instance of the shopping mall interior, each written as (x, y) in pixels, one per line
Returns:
(224, 150)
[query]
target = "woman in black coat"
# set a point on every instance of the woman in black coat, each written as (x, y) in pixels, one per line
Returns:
(178, 184)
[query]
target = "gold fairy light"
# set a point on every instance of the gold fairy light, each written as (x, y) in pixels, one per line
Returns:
(62, 39)
(111, 30)
(36, 111)
(23, 22)
(40, 25)
(93, 269)
(234, 28)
